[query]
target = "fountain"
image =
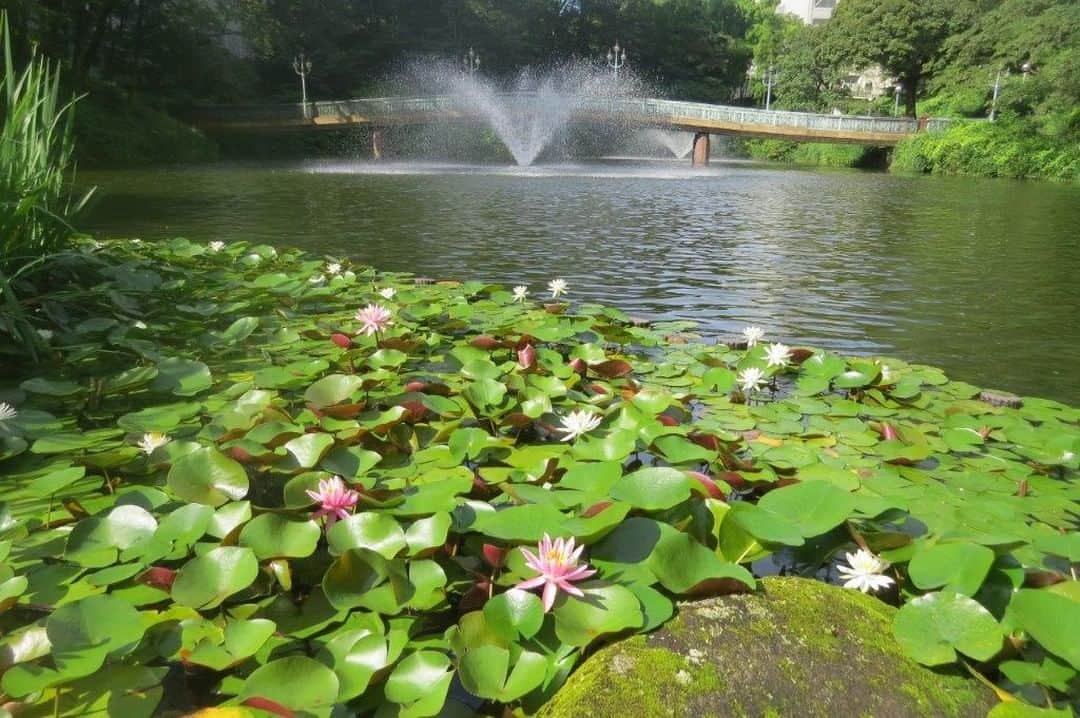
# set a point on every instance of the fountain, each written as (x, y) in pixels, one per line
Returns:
(528, 113)
(680, 144)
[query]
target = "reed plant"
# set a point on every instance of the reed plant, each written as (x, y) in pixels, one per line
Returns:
(37, 203)
(36, 158)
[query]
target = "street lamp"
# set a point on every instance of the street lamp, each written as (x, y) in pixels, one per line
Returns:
(896, 102)
(471, 61)
(302, 67)
(769, 80)
(616, 58)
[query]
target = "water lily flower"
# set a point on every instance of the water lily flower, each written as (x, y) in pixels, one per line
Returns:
(136, 241)
(751, 379)
(45, 334)
(333, 268)
(778, 355)
(153, 440)
(753, 335)
(7, 411)
(1067, 456)
(335, 498)
(557, 563)
(557, 287)
(216, 246)
(526, 357)
(579, 423)
(865, 571)
(374, 318)
(520, 293)
(387, 292)
(139, 324)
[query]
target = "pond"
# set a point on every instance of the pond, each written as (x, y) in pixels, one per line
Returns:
(979, 277)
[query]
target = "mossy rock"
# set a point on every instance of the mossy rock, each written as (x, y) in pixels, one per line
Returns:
(799, 648)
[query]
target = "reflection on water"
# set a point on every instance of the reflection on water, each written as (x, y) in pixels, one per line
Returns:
(976, 276)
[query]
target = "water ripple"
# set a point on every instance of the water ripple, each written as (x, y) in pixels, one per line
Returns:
(976, 276)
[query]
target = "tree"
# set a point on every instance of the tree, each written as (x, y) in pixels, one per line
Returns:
(905, 37)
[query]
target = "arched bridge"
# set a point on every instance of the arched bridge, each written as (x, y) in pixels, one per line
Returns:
(700, 118)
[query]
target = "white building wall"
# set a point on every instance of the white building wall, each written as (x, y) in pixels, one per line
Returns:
(811, 12)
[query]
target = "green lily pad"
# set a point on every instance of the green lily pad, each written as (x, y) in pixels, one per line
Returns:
(298, 683)
(206, 581)
(206, 476)
(933, 628)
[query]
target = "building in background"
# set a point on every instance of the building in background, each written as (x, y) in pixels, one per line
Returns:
(811, 12)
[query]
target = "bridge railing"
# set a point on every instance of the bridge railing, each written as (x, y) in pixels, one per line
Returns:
(671, 110)
(391, 109)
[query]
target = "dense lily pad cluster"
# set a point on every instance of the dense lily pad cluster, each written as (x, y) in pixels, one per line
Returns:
(232, 481)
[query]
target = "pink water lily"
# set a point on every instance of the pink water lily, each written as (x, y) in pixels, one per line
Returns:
(373, 318)
(526, 356)
(558, 566)
(335, 498)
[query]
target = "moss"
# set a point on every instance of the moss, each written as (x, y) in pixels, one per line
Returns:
(798, 648)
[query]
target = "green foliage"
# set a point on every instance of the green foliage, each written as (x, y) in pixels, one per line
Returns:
(813, 153)
(1042, 33)
(35, 155)
(201, 551)
(1007, 148)
(110, 130)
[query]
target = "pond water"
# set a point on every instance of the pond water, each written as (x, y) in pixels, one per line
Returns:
(980, 277)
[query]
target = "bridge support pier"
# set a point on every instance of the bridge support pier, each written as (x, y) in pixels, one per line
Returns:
(377, 141)
(701, 149)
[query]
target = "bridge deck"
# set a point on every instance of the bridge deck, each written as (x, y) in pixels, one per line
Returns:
(688, 116)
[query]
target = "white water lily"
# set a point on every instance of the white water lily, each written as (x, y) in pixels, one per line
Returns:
(333, 268)
(136, 241)
(751, 379)
(216, 246)
(520, 293)
(7, 411)
(1067, 456)
(45, 334)
(865, 571)
(753, 335)
(387, 292)
(557, 287)
(153, 440)
(778, 355)
(139, 324)
(579, 423)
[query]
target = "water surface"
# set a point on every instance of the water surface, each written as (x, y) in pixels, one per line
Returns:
(980, 277)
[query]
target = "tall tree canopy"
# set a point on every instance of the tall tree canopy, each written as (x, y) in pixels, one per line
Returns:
(905, 37)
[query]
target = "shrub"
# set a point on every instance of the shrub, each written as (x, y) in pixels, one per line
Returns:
(1009, 148)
